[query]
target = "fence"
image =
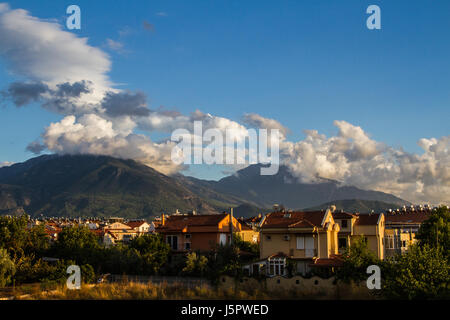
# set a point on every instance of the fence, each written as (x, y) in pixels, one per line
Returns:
(312, 288)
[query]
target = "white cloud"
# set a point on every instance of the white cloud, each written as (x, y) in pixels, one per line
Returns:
(353, 158)
(114, 45)
(5, 163)
(40, 50)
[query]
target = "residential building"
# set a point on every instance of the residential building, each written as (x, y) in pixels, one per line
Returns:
(301, 237)
(402, 226)
(200, 232)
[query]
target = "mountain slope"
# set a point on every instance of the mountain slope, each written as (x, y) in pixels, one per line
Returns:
(94, 186)
(283, 188)
(87, 185)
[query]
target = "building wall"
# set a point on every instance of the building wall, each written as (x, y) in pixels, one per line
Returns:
(278, 244)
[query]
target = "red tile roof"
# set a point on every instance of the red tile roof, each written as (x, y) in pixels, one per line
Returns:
(333, 261)
(293, 219)
(367, 219)
(411, 217)
(342, 215)
(135, 224)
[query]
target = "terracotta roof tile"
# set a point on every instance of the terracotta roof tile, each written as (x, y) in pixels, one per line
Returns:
(293, 219)
(178, 223)
(367, 219)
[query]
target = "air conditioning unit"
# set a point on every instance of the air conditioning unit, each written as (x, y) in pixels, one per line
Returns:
(287, 237)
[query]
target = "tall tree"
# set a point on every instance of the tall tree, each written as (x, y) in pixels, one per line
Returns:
(435, 231)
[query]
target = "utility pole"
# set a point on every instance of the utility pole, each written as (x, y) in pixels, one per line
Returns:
(231, 226)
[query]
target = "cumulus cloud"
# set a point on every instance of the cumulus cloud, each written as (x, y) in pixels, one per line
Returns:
(352, 158)
(41, 51)
(258, 121)
(91, 134)
(125, 103)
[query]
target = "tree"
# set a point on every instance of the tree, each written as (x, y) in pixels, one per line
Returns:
(7, 268)
(420, 273)
(196, 265)
(79, 244)
(435, 231)
(246, 246)
(356, 260)
(153, 250)
(225, 260)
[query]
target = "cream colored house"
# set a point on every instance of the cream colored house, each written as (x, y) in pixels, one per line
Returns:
(306, 238)
(354, 226)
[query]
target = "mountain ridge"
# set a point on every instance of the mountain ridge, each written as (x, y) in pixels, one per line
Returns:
(94, 185)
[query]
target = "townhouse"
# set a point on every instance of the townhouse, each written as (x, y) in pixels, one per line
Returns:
(314, 239)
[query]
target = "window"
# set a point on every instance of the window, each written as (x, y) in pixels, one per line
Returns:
(268, 237)
(342, 243)
(300, 243)
(277, 266)
(173, 242)
(287, 237)
(344, 224)
(223, 239)
(187, 246)
(187, 236)
(309, 246)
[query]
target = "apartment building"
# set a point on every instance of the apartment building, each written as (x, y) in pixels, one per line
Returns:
(402, 226)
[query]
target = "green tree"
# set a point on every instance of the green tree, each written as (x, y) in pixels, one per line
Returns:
(196, 264)
(225, 260)
(87, 273)
(246, 246)
(356, 260)
(435, 231)
(78, 243)
(420, 273)
(153, 250)
(7, 268)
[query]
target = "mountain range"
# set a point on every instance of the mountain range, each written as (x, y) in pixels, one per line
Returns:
(88, 185)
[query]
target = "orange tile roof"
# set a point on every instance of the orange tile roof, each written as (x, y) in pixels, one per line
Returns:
(178, 223)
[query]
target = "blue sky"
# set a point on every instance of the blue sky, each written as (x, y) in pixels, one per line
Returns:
(303, 63)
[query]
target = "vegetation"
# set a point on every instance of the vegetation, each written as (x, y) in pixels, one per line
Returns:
(435, 232)
(421, 273)
(7, 268)
(356, 260)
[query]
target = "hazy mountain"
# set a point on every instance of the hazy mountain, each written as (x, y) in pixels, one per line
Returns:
(355, 205)
(283, 188)
(86, 185)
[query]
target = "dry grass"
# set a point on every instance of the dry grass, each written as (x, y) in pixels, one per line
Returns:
(138, 291)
